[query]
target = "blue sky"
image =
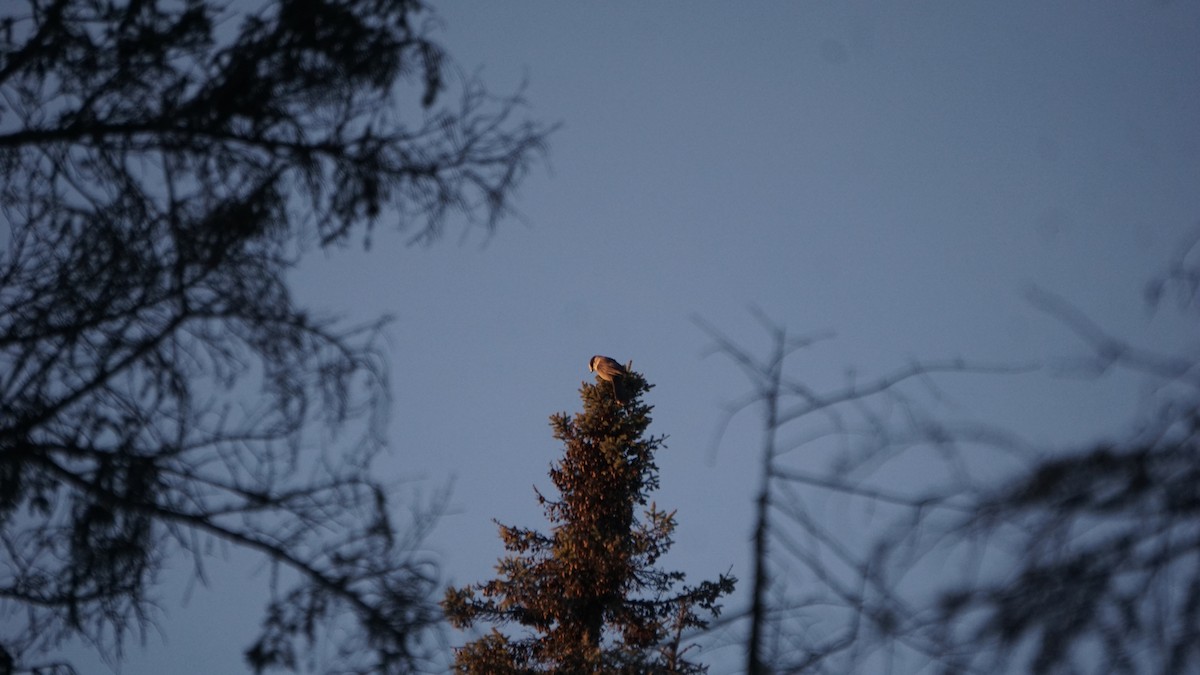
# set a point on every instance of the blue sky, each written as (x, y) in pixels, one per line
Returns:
(898, 173)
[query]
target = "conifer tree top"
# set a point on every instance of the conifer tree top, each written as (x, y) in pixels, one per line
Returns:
(589, 596)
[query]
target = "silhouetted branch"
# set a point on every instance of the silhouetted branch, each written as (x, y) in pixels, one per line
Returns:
(1081, 560)
(162, 165)
(849, 582)
(1110, 351)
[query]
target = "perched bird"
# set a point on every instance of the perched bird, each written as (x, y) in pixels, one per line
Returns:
(608, 369)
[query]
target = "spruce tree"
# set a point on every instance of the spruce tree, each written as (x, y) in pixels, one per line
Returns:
(589, 594)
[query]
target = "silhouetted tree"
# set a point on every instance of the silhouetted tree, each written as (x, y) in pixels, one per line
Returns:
(589, 594)
(161, 166)
(818, 595)
(1104, 539)
(902, 541)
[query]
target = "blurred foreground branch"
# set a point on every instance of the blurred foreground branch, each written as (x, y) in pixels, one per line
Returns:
(901, 542)
(162, 164)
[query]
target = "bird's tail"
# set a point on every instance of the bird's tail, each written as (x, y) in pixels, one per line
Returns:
(619, 389)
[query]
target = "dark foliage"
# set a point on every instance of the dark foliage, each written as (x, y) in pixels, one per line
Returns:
(1110, 571)
(1106, 537)
(993, 556)
(161, 166)
(589, 594)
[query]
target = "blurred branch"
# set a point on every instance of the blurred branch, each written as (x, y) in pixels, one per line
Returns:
(1110, 351)
(162, 166)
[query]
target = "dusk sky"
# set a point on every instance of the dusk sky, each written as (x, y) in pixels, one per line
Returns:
(901, 174)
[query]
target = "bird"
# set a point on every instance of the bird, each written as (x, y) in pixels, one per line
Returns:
(608, 369)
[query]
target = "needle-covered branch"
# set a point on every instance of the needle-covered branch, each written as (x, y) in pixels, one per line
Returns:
(589, 596)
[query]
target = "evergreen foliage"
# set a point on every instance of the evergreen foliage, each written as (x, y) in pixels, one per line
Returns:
(590, 594)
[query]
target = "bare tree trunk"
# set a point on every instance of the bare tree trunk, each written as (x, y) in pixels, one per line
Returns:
(758, 606)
